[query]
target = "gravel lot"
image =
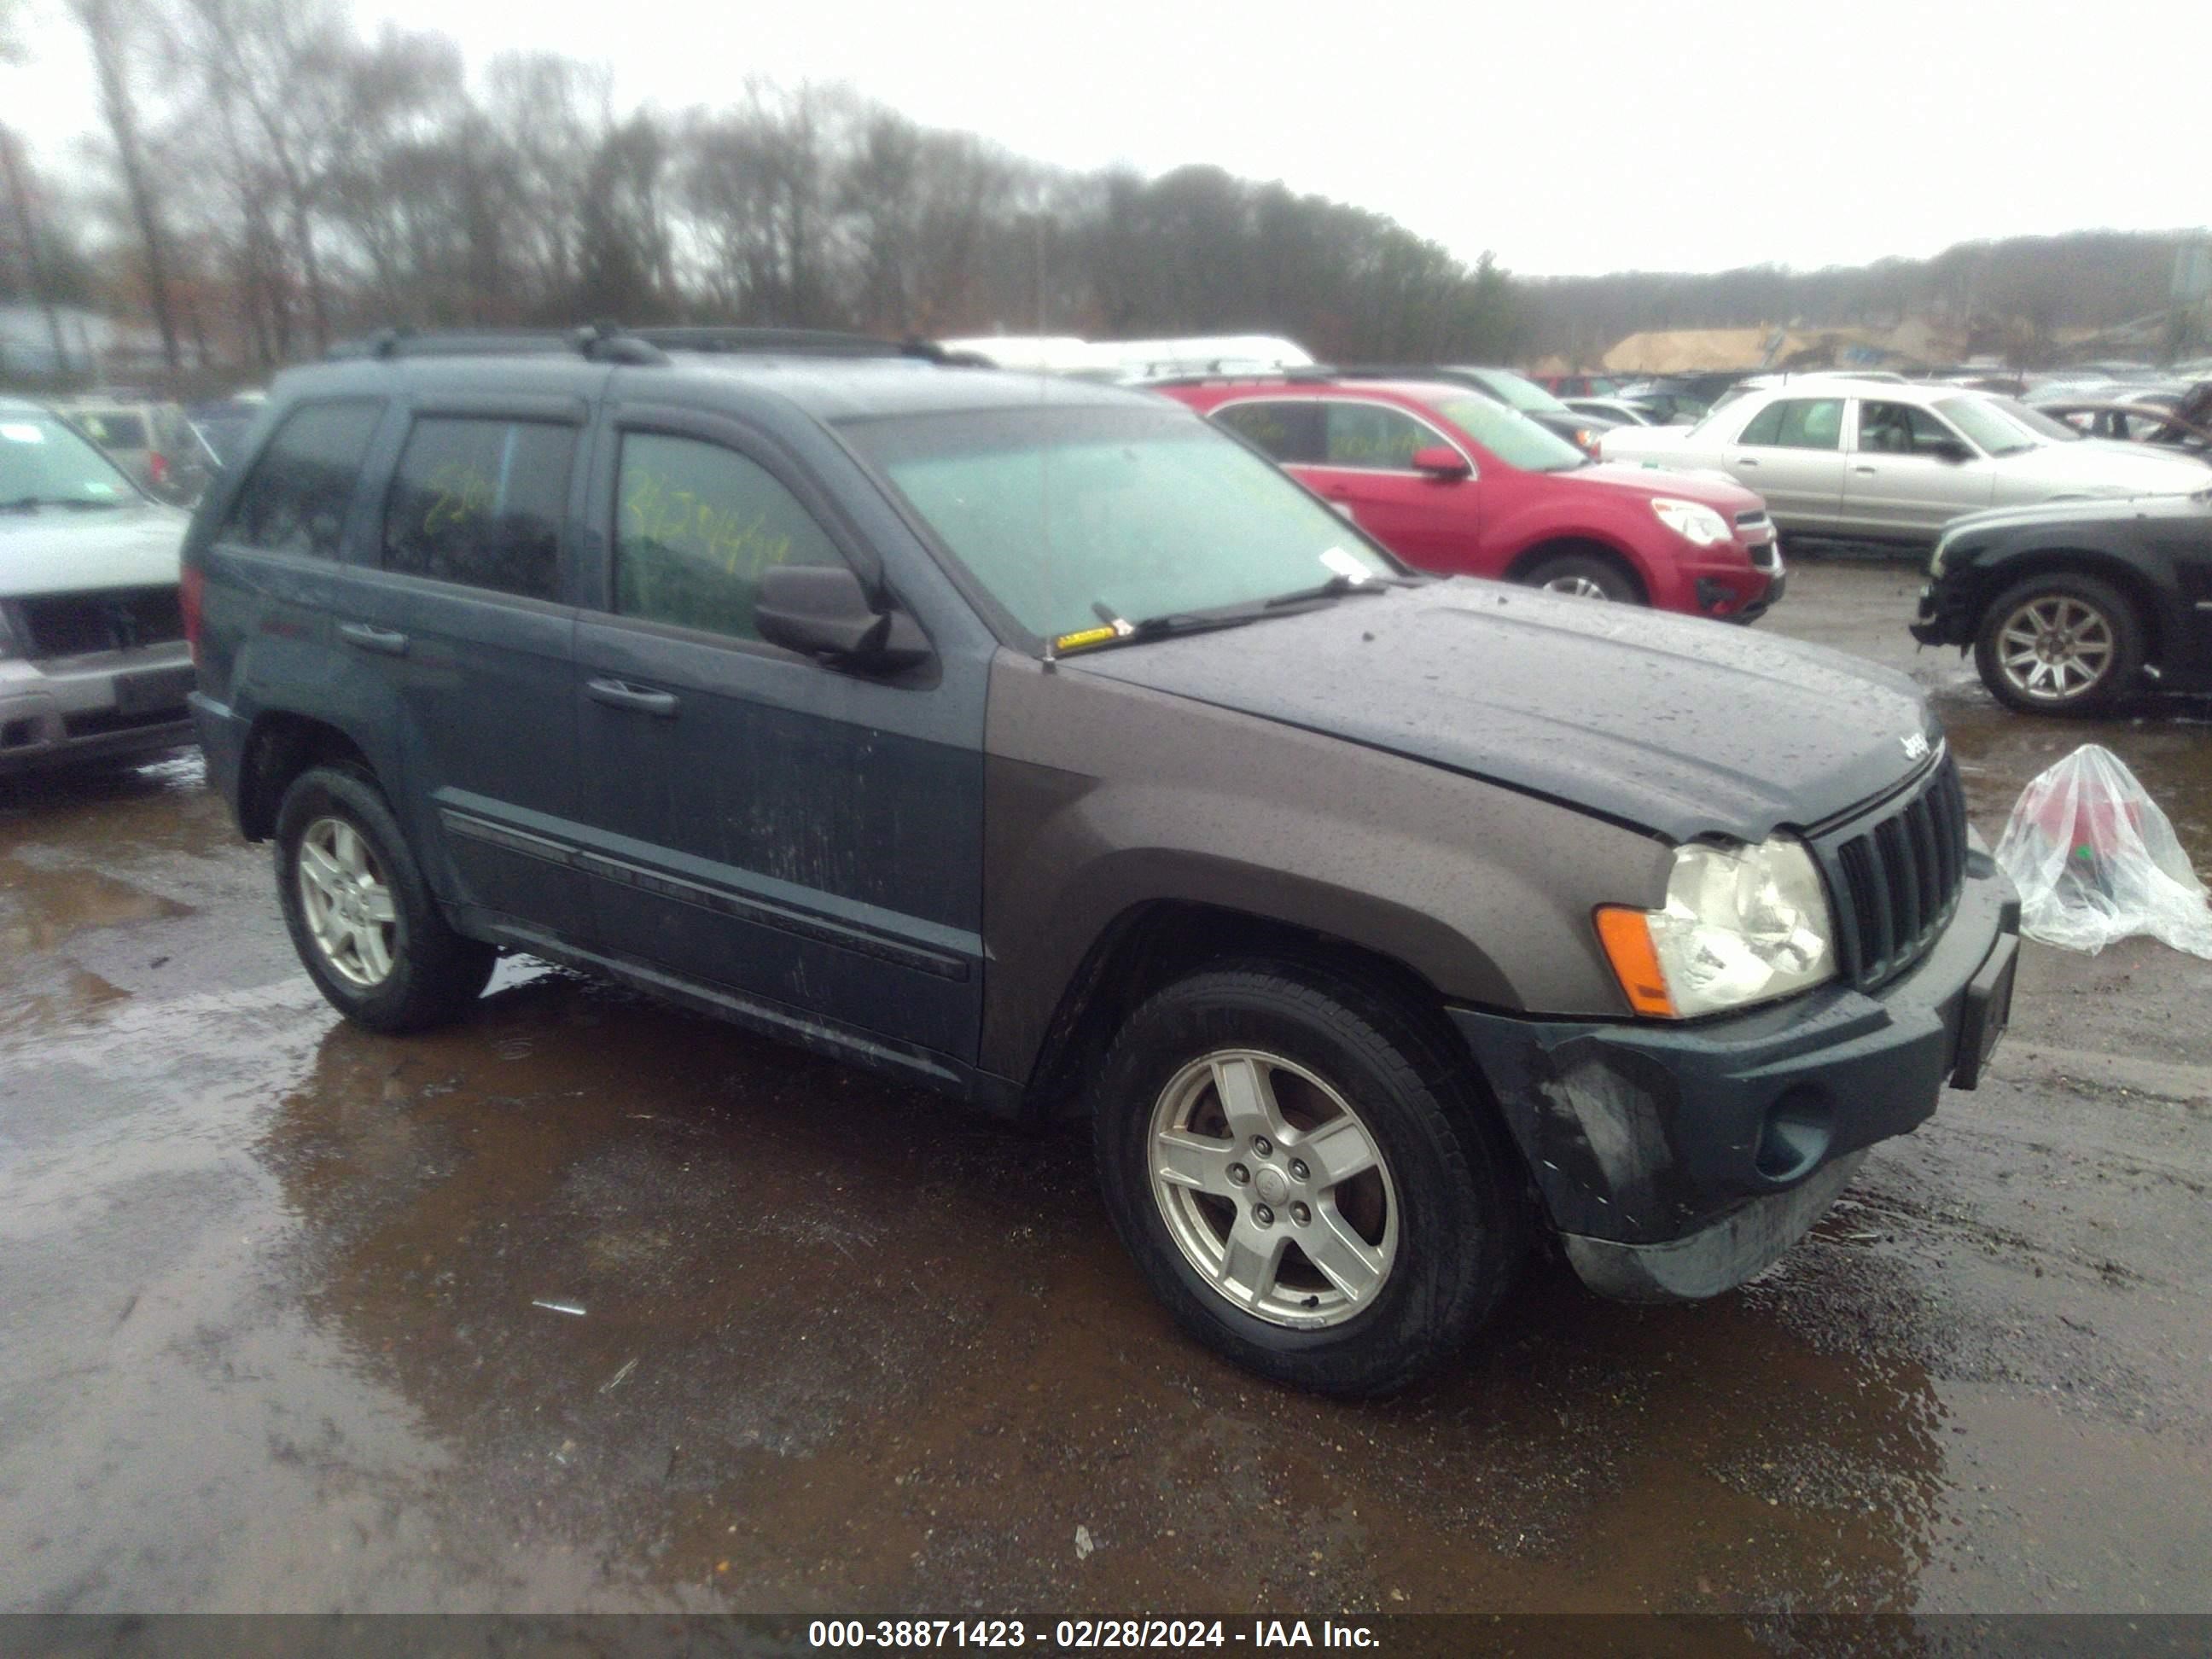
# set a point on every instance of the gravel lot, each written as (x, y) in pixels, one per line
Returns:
(273, 1330)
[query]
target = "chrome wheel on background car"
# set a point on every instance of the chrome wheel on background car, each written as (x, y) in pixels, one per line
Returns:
(2063, 642)
(347, 901)
(2055, 646)
(1274, 1188)
(1580, 586)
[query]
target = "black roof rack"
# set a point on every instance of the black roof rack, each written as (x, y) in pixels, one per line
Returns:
(610, 343)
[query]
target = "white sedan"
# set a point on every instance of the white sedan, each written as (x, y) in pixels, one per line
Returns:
(1873, 460)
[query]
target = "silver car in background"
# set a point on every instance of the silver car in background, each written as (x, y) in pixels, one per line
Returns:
(94, 665)
(1874, 460)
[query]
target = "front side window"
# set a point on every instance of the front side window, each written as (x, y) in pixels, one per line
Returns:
(1372, 436)
(1986, 421)
(480, 502)
(297, 497)
(1901, 429)
(1797, 424)
(1058, 512)
(696, 525)
(1509, 435)
(43, 463)
(1290, 432)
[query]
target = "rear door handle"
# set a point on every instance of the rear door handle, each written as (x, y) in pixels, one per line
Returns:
(620, 693)
(1868, 470)
(1748, 460)
(384, 641)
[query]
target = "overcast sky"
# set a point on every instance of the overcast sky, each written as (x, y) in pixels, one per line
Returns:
(1581, 136)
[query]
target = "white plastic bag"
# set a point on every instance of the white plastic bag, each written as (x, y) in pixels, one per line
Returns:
(2095, 860)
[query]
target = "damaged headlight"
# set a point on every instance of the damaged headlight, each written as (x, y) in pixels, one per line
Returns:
(1740, 925)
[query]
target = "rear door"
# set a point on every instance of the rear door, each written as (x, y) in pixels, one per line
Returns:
(1791, 451)
(808, 839)
(1898, 486)
(462, 612)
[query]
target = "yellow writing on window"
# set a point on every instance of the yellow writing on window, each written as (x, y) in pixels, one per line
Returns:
(655, 510)
(459, 493)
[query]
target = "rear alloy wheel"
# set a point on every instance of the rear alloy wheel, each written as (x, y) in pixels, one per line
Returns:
(367, 928)
(2059, 644)
(1583, 576)
(1306, 1174)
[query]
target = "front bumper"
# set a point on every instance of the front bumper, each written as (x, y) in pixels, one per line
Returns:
(1679, 1160)
(1946, 614)
(102, 705)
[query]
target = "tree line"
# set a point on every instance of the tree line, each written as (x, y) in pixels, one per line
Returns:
(267, 178)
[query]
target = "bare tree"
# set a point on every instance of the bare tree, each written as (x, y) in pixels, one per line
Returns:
(108, 26)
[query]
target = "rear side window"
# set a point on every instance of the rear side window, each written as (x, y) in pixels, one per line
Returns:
(480, 502)
(1798, 424)
(695, 525)
(296, 499)
(1289, 431)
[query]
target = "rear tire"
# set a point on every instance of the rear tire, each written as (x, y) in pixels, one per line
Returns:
(1583, 575)
(1359, 1218)
(2060, 643)
(362, 917)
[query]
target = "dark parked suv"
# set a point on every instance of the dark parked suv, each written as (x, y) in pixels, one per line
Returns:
(1037, 743)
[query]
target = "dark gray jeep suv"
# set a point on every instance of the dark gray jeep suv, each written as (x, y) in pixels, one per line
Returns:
(1038, 743)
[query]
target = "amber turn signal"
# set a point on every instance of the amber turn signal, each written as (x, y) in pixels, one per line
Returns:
(1627, 936)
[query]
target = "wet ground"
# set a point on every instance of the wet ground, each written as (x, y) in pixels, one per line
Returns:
(590, 1305)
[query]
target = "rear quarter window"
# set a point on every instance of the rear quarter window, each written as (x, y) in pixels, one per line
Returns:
(296, 499)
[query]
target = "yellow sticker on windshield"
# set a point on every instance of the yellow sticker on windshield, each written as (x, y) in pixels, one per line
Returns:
(1088, 636)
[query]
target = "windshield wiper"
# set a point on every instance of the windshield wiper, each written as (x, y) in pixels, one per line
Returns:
(30, 503)
(1114, 629)
(1332, 588)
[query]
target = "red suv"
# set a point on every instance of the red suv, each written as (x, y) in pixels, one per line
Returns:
(1452, 482)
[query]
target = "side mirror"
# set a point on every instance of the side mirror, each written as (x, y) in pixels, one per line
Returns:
(1954, 449)
(1441, 461)
(823, 611)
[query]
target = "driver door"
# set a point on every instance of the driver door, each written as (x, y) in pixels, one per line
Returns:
(1905, 482)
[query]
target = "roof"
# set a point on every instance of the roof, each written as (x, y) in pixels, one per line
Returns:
(827, 388)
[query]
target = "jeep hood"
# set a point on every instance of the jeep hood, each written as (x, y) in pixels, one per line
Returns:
(59, 549)
(1673, 725)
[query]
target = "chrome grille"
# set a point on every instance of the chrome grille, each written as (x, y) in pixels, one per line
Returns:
(1895, 873)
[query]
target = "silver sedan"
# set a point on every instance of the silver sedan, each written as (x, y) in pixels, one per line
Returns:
(1877, 461)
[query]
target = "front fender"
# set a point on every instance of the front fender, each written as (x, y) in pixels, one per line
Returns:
(1101, 797)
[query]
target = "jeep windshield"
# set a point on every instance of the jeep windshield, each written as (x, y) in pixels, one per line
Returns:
(43, 464)
(1073, 517)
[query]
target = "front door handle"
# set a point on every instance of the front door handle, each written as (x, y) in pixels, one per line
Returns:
(384, 641)
(620, 693)
(1868, 470)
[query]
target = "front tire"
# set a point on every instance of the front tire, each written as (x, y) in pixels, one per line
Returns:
(2061, 643)
(1585, 576)
(1302, 1173)
(362, 917)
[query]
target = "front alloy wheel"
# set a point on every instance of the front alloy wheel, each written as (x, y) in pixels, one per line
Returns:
(1303, 1164)
(2059, 644)
(2056, 647)
(1274, 1188)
